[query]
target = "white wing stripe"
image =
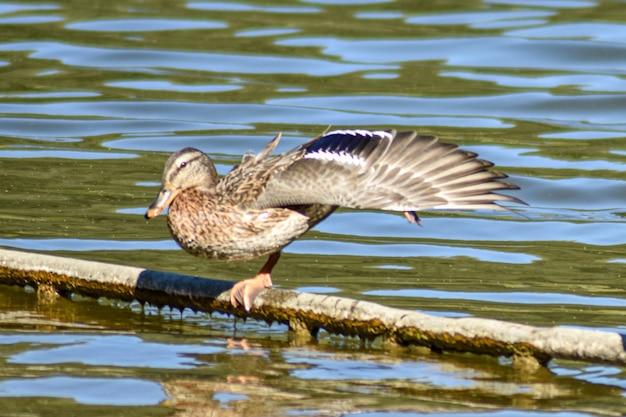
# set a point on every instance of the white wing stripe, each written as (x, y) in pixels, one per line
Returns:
(342, 157)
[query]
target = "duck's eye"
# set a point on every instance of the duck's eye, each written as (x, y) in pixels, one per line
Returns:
(182, 164)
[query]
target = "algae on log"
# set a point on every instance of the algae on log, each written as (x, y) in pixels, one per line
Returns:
(310, 312)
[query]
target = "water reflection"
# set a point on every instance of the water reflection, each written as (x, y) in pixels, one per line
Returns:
(93, 100)
(113, 350)
(120, 391)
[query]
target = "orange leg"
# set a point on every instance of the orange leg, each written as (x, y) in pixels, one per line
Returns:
(244, 292)
(412, 217)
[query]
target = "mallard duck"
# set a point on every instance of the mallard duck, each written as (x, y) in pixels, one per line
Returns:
(265, 203)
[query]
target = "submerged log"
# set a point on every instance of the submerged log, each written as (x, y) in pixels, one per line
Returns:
(305, 312)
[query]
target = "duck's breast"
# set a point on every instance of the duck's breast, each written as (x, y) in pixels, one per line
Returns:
(227, 232)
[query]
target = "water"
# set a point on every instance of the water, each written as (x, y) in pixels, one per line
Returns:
(93, 98)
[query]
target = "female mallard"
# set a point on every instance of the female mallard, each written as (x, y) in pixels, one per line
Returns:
(264, 203)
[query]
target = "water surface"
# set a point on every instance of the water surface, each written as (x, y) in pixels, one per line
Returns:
(94, 99)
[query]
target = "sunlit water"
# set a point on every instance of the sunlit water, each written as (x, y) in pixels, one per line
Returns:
(93, 97)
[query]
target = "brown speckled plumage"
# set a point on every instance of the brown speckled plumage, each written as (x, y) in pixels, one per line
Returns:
(265, 203)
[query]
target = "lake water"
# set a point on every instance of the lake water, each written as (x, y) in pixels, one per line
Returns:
(95, 95)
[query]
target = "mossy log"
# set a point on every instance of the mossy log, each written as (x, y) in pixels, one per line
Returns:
(305, 312)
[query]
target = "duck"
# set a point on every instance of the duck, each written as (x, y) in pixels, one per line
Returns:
(266, 202)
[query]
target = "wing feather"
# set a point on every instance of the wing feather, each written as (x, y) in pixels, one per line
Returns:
(388, 170)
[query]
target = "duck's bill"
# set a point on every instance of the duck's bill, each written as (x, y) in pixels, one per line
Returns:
(161, 202)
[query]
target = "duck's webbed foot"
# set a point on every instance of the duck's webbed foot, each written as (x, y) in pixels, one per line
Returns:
(244, 292)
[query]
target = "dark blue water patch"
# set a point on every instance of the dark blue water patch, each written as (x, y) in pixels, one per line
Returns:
(593, 374)
(141, 211)
(476, 52)
(584, 82)
(621, 329)
(379, 15)
(16, 7)
(81, 245)
(291, 90)
(245, 7)
(394, 267)
(86, 390)
(45, 128)
(154, 85)
(512, 297)
(37, 339)
(30, 20)
(328, 247)
(536, 106)
(587, 195)
(52, 94)
(471, 231)
(84, 56)
(137, 210)
(144, 25)
(531, 158)
(63, 154)
(319, 290)
(225, 397)
(583, 135)
(110, 350)
(381, 76)
(595, 31)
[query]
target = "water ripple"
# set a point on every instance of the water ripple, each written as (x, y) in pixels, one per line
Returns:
(116, 350)
(477, 52)
(476, 18)
(512, 297)
(245, 7)
(538, 106)
(144, 25)
(167, 116)
(83, 56)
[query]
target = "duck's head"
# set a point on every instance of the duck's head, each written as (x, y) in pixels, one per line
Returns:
(187, 168)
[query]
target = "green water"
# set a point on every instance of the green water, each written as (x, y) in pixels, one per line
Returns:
(95, 96)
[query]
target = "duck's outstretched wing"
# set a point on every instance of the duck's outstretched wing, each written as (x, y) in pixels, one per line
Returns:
(388, 170)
